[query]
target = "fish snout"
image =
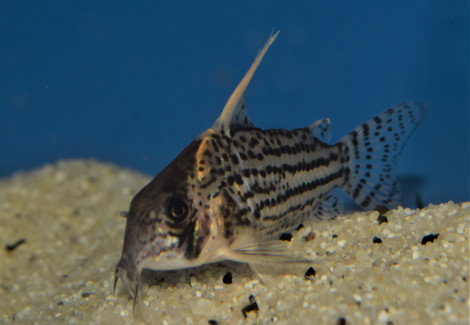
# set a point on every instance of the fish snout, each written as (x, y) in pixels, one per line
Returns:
(128, 272)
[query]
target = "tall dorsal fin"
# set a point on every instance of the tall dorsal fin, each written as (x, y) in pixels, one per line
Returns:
(234, 113)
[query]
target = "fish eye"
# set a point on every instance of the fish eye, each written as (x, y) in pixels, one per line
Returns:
(177, 208)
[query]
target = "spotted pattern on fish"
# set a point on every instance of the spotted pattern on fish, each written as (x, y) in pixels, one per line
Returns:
(236, 188)
(281, 176)
(375, 147)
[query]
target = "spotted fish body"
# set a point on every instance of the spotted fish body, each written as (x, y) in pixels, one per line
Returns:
(236, 187)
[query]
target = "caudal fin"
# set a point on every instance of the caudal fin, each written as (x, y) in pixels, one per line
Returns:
(370, 152)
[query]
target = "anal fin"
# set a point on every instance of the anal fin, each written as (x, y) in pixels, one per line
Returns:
(329, 208)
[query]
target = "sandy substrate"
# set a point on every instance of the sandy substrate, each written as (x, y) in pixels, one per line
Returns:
(411, 269)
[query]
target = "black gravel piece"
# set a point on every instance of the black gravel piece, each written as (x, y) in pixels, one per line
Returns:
(310, 273)
(429, 239)
(285, 236)
(341, 321)
(377, 240)
(227, 278)
(381, 219)
(252, 306)
(11, 247)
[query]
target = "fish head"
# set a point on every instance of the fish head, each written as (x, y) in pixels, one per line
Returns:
(168, 223)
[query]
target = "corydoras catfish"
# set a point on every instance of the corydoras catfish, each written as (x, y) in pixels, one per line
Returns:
(236, 188)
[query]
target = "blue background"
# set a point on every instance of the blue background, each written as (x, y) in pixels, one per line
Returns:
(134, 82)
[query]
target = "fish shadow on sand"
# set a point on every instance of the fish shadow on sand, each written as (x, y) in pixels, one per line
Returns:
(201, 274)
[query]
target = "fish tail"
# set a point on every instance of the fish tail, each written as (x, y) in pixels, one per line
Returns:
(370, 151)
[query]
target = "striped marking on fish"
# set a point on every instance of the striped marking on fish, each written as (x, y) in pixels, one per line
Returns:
(236, 187)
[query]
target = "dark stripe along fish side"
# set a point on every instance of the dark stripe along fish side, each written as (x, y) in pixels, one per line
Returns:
(236, 187)
(279, 177)
(276, 177)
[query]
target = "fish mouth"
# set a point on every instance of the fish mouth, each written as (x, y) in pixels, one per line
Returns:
(129, 275)
(129, 268)
(131, 279)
